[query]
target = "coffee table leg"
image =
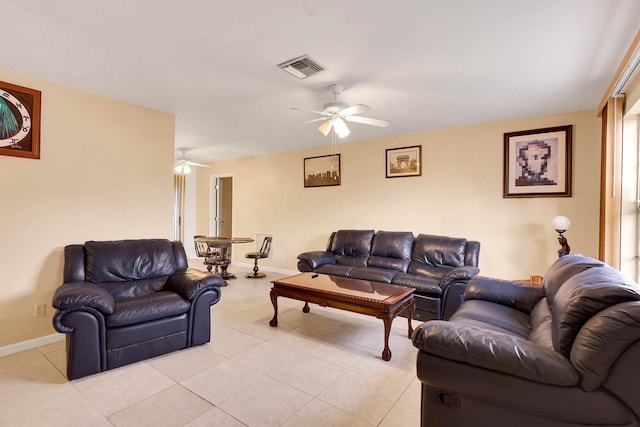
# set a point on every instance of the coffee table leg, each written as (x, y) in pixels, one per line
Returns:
(274, 300)
(386, 353)
(305, 309)
(412, 307)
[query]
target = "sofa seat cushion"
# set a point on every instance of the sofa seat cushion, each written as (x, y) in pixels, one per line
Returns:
(335, 269)
(133, 288)
(429, 285)
(428, 270)
(496, 317)
(374, 274)
(144, 308)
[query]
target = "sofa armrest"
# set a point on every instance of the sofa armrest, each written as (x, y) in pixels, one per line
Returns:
(190, 282)
(520, 296)
(75, 295)
(500, 352)
(458, 274)
(309, 261)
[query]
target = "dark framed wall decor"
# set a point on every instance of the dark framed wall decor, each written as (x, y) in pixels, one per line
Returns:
(19, 121)
(322, 171)
(404, 161)
(537, 162)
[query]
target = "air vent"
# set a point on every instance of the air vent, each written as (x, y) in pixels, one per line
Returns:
(301, 67)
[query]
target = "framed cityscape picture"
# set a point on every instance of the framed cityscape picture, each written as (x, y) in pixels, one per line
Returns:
(19, 121)
(322, 171)
(537, 163)
(404, 161)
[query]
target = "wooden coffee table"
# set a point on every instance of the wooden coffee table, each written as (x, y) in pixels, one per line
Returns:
(359, 296)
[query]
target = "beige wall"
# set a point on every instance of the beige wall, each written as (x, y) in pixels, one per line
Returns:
(459, 194)
(105, 172)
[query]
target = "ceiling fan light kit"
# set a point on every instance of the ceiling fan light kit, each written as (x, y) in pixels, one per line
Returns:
(183, 165)
(336, 113)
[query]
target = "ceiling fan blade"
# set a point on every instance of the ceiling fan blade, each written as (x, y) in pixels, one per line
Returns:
(310, 111)
(189, 162)
(355, 109)
(325, 128)
(308, 121)
(367, 121)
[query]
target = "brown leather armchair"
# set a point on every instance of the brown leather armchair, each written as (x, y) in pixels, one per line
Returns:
(128, 300)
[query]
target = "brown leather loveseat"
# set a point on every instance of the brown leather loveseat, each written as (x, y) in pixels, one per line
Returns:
(564, 354)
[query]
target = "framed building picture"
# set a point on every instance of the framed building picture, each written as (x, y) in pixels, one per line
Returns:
(404, 161)
(322, 171)
(537, 163)
(19, 121)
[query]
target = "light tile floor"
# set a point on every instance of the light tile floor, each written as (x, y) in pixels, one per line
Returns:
(321, 368)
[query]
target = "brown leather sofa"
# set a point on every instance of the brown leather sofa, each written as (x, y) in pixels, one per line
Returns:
(564, 354)
(437, 267)
(128, 300)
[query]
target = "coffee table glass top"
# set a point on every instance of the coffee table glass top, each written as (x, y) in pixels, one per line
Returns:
(345, 286)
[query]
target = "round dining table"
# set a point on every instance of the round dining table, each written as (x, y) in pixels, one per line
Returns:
(223, 244)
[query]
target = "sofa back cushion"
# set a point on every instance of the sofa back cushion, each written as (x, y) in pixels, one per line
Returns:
(126, 260)
(584, 295)
(352, 247)
(564, 268)
(439, 250)
(391, 250)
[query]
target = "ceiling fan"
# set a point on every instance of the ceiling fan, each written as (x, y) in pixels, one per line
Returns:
(336, 112)
(183, 165)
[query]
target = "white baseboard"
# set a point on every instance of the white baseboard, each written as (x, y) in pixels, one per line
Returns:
(30, 344)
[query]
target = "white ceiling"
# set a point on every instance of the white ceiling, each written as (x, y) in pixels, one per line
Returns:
(421, 64)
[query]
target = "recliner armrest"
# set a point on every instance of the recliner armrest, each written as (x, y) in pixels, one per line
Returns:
(315, 259)
(458, 274)
(500, 352)
(520, 296)
(83, 294)
(191, 282)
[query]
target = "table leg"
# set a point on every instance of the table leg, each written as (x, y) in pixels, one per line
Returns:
(412, 308)
(386, 353)
(274, 300)
(305, 309)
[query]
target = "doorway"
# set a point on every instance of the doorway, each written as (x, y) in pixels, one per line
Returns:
(222, 206)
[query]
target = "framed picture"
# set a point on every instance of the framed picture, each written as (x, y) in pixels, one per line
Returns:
(322, 171)
(404, 161)
(537, 163)
(19, 121)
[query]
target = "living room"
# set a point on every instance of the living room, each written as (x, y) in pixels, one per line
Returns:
(106, 168)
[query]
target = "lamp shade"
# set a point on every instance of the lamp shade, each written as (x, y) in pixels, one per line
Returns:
(341, 127)
(561, 223)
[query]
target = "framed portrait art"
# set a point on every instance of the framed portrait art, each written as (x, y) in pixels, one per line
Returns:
(537, 162)
(322, 171)
(404, 161)
(19, 121)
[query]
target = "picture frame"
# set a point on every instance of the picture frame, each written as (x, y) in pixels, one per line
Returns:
(538, 162)
(19, 121)
(404, 161)
(322, 171)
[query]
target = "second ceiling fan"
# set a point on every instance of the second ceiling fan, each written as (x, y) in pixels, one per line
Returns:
(336, 112)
